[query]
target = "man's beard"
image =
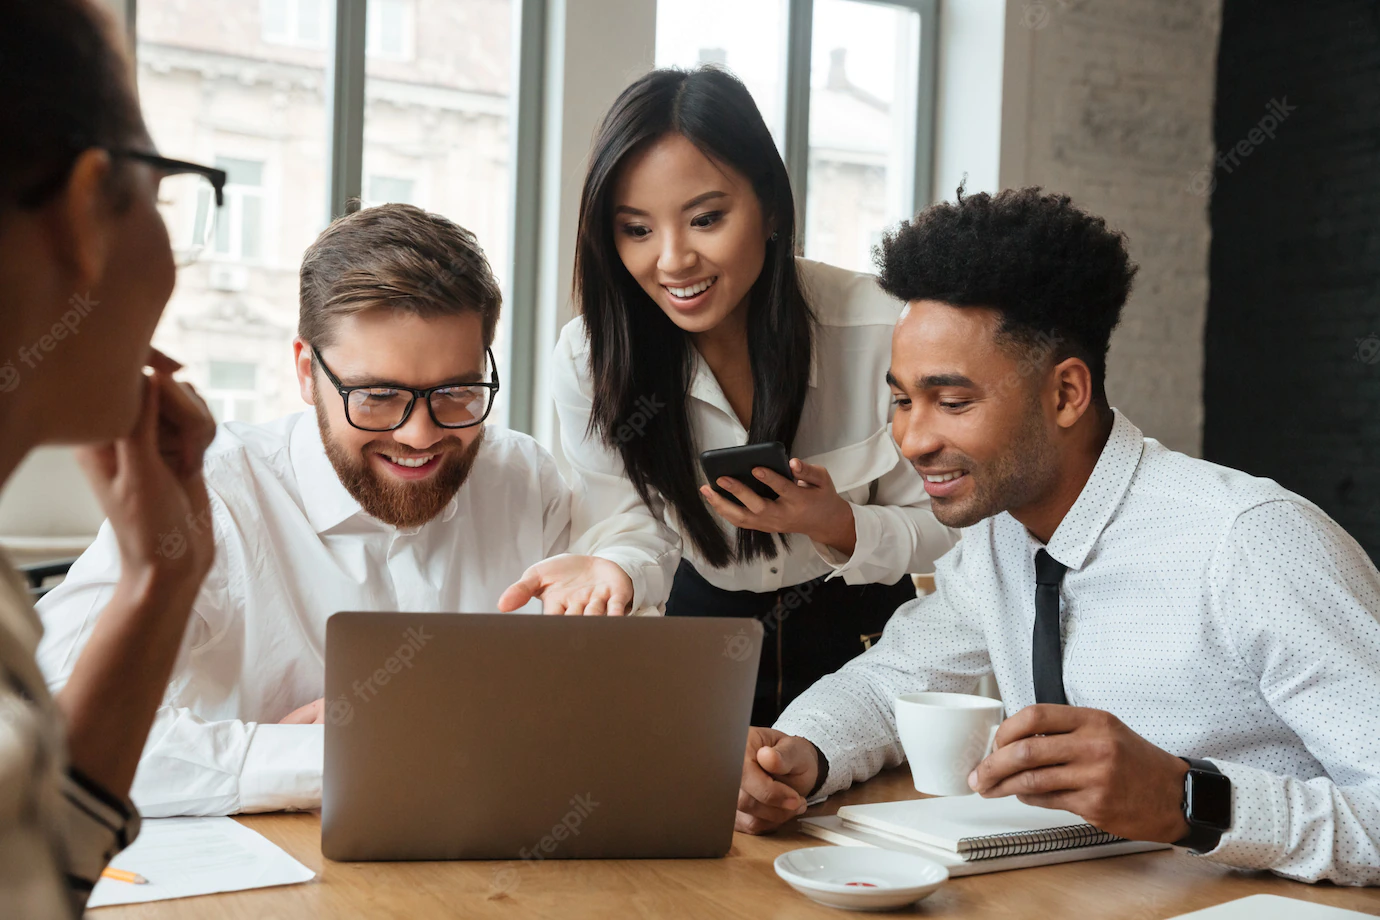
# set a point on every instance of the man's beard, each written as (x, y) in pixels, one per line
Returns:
(1010, 481)
(401, 504)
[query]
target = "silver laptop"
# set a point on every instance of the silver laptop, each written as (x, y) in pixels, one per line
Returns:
(507, 736)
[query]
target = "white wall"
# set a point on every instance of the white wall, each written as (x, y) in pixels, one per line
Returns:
(1111, 102)
(968, 98)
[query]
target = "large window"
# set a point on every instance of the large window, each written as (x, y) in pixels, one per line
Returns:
(748, 39)
(438, 84)
(864, 74)
(248, 90)
(846, 87)
(245, 90)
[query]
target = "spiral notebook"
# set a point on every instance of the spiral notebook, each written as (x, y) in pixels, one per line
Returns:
(972, 833)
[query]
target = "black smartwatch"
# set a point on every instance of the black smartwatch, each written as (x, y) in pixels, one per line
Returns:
(821, 768)
(1207, 806)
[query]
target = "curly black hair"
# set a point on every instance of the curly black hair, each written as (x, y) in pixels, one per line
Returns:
(1057, 275)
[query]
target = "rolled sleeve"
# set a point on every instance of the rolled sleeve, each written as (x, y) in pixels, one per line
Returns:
(283, 768)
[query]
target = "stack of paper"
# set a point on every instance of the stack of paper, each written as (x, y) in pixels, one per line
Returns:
(182, 857)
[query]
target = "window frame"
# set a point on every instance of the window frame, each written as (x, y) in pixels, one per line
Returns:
(799, 54)
(532, 40)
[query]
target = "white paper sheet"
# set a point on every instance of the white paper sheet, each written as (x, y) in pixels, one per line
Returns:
(183, 857)
(1272, 907)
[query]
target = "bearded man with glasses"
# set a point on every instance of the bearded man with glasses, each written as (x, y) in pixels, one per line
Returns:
(395, 496)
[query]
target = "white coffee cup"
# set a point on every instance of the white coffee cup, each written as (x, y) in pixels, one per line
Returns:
(946, 735)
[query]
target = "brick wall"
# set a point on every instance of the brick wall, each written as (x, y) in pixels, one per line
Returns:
(1110, 101)
(1292, 381)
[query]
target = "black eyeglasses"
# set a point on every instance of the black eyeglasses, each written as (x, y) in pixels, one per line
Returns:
(385, 407)
(186, 192)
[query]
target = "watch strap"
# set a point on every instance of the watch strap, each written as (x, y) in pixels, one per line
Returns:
(821, 771)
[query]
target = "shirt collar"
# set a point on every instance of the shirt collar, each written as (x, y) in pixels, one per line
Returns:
(1078, 532)
(705, 387)
(326, 502)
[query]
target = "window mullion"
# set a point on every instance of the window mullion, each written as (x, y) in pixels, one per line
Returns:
(799, 45)
(345, 105)
(529, 48)
(925, 93)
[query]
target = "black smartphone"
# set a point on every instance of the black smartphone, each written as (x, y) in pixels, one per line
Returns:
(739, 462)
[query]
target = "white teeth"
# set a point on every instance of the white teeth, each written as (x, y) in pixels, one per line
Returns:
(693, 290)
(944, 478)
(410, 461)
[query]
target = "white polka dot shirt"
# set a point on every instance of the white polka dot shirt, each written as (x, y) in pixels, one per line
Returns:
(1218, 615)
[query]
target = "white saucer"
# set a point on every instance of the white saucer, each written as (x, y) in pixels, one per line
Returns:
(860, 878)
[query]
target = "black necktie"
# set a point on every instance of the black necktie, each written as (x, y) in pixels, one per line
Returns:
(1047, 651)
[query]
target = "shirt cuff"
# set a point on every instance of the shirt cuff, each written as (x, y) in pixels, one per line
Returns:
(868, 531)
(840, 773)
(282, 768)
(1258, 820)
(97, 825)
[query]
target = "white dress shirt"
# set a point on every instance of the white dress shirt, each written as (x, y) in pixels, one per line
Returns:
(1216, 614)
(844, 427)
(292, 548)
(57, 830)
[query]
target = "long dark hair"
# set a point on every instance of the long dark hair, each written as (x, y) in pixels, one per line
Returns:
(636, 351)
(64, 87)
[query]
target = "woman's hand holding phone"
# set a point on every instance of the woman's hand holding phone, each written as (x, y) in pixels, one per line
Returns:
(809, 504)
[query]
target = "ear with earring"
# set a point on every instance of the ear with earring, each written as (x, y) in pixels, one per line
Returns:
(774, 236)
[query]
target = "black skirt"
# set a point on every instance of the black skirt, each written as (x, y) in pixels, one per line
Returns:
(810, 629)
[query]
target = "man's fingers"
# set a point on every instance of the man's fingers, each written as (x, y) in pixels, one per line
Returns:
(1062, 801)
(1040, 719)
(1025, 755)
(1039, 781)
(783, 759)
(760, 786)
(745, 823)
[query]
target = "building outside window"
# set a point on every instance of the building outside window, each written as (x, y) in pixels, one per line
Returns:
(294, 22)
(231, 390)
(390, 29)
(240, 223)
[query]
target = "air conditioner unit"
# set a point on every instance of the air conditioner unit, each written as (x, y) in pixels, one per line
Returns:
(228, 278)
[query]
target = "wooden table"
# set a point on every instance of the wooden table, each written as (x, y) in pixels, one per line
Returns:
(1145, 886)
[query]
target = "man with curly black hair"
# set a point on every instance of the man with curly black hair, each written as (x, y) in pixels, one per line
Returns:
(1188, 654)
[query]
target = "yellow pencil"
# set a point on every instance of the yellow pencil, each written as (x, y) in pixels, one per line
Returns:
(120, 875)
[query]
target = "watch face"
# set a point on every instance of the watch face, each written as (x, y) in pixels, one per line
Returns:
(1210, 799)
